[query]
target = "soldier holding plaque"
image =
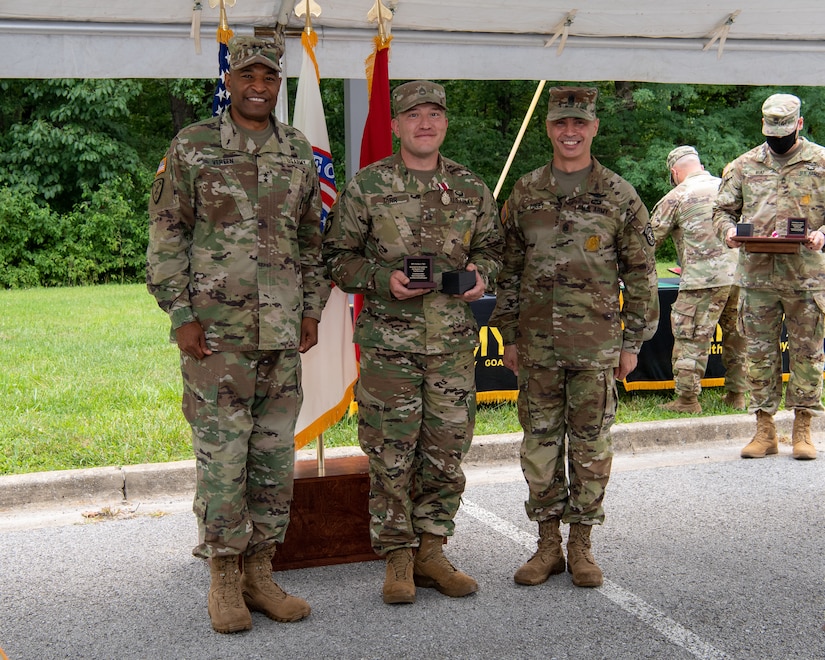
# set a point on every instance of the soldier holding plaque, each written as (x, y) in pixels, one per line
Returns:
(776, 189)
(408, 232)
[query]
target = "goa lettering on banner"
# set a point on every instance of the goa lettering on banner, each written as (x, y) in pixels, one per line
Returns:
(483, 348)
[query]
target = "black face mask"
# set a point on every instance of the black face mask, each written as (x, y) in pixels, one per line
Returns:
(781, 145)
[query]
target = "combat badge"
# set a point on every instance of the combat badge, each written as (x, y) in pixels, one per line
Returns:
(649, 237)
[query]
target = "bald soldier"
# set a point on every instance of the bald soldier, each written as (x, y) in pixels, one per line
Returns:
(573, 229)
(707, 295)
(234, 258)
(765, 187)
(418, 235)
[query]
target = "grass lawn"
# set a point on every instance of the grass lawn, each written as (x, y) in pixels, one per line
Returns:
(88, 379)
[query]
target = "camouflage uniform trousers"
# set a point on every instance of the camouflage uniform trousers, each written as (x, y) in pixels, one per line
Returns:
(416, 415)
(693, 318)
(579, 405)
(242, 407)
(761, 315)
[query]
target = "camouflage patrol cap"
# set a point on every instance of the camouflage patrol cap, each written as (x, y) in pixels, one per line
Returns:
(572, 102)
(780, 113)
(678, 153)
(415, 93)
(244, 51)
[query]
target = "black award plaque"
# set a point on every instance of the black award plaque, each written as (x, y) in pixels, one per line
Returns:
(797, 228)
(420, 271)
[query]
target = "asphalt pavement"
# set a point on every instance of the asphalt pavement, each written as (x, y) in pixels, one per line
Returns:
(705, 555)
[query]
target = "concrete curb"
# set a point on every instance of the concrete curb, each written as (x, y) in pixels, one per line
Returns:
(97, 486)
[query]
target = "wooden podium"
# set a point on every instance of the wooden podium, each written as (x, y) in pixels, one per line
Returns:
(329, 517)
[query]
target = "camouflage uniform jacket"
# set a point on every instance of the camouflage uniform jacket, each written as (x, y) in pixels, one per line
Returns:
(385, 214)
(758, 189)
(686, 213)
(558, 291)
(234, 236)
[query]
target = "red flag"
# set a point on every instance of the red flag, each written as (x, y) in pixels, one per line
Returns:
(376, 142)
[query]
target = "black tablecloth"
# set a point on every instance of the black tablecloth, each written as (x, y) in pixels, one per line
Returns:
(495, 382)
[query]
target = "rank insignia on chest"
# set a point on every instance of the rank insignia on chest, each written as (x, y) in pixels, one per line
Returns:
(592, 243)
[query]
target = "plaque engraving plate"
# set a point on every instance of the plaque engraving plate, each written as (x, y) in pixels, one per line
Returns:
(797, 227)
(420, 271)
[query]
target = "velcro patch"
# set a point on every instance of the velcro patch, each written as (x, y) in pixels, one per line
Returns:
(649, 237)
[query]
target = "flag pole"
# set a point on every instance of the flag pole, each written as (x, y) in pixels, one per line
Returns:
(519, 137)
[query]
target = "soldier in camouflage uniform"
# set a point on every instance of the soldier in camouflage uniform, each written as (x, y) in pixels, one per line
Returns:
(573, 228)
(780, 179)
(706, 295)
(416, 394)
(234, 258)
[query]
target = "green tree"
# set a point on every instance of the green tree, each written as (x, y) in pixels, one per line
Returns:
(65, 136)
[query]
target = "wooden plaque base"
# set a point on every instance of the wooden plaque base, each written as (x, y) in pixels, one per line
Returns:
(771, 245)
(329, 517)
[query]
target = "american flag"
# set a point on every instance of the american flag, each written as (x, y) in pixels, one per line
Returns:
(221, 100)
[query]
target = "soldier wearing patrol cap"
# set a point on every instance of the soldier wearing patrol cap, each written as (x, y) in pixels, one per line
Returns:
(573, 229)
(779, 179)
(234, 258)
(416, 392)
(707, 296)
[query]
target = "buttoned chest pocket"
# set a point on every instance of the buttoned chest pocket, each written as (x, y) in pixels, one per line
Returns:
(223, 180)
(283, 184)
(395, 227)
(458, 224)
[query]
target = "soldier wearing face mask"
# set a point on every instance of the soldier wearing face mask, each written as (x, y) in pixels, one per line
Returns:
(779, 179)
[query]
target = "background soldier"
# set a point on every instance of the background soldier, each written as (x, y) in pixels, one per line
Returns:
(572, 229)
(234, 259)
(706, 295)
(779, 179)
(416, 394)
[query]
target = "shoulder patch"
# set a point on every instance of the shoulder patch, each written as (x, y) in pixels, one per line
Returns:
(649, 237)
(161, 167)
(157, 190)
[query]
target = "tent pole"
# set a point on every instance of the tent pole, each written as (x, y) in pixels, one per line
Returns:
(519, 137)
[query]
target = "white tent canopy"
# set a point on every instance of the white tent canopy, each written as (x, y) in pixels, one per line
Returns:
(758, 42)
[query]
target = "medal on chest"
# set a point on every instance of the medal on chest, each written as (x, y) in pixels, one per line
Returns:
(445, 193)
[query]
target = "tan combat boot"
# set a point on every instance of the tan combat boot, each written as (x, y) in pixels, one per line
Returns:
(432, 569)
(398, 583)
(548, 559)
(735, 400)
(765, 441)
(803, 448)
(261, 594)
(225, 601)
(684, 403)
(580, 562)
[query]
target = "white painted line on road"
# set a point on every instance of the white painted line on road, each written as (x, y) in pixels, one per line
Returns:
(630, 603)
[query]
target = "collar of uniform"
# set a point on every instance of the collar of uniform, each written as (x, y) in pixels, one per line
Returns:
(231, 136)
(402, 174)
(766, 155)
(591, 184)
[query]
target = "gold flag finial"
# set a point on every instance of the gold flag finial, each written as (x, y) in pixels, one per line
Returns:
(224, 33)
(381, 14)
(307, 9)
